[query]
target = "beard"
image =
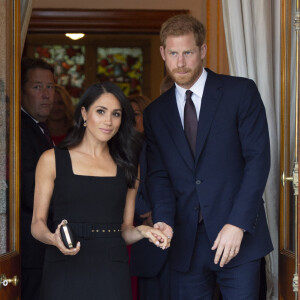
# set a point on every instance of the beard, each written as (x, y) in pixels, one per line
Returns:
(188, 79)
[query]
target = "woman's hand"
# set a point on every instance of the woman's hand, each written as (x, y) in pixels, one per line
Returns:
(154, 236)
(60, 245)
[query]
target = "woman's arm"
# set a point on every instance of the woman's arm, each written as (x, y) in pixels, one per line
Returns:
(44, 184)
(133, 234)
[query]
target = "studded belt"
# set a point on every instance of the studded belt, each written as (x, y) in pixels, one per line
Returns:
(89, 231)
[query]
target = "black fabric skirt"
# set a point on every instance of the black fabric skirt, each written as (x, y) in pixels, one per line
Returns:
(99, 271)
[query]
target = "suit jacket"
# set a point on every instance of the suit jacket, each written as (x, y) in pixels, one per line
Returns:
(142, 201)
(33, 144)
(226, 179)
(146, 259)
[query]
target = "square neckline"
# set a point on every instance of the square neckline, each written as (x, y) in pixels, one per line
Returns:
(90, 176)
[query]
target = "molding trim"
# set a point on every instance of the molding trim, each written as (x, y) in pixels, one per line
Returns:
(100, 21)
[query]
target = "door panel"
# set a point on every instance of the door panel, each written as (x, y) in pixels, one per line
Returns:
(9, 149)
(10, 266)
(288, 236)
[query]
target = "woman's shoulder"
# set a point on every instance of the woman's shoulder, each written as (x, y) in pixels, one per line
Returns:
(46, 164)
(48, 157)
(51, 155)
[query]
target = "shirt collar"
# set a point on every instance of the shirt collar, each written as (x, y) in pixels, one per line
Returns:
(197, 88)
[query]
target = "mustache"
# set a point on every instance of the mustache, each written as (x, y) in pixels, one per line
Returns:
(180, 70)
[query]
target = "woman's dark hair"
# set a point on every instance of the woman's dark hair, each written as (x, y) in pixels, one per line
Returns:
(125, 146)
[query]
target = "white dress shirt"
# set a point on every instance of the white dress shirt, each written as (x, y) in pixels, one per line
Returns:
(197, 90)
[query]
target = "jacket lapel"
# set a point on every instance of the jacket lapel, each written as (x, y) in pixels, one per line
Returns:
(35, 127)
(172, 120)
(211, 97)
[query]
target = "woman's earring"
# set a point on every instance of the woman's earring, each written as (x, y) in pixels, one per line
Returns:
(84, 123)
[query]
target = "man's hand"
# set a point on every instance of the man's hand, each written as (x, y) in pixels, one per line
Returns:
(228, 244)
(166, 229)
(154, 236)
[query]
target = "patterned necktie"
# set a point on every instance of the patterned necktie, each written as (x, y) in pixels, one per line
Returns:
(46, 133)
(190, 121)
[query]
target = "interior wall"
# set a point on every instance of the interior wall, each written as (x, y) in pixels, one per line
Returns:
(208, 12)
(153, 64)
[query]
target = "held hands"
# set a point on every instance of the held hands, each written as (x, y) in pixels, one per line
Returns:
(166, 230)
(60, 245)
(228, 244)
(154, 236)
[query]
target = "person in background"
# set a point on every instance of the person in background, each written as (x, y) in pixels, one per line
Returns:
(37, 95)
(148, 263)
(61, 119)
(91, 181)
(166, 83)
(208, 155)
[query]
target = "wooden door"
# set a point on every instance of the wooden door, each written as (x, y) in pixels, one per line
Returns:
(289, 209)
(9, 149)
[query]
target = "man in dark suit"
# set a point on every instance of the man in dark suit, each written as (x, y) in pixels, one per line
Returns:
(37, 94)
(208, 159)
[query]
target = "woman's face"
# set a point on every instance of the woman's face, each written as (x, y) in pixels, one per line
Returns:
(103, 119)
(138, 114)
(58, 111)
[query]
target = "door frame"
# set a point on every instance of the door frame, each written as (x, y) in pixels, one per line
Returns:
(288, 259)
(10, 261)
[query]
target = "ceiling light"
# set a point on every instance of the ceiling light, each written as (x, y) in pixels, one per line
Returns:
(75, 36)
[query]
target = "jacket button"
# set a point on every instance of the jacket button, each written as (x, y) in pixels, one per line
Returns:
(198, 181)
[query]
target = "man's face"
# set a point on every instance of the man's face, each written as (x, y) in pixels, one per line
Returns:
(138, 115)
(38, 93)
(183, 59)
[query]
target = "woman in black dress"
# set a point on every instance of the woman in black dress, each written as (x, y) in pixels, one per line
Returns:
(90, 181)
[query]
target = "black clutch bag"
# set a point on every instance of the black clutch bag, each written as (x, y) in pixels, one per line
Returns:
(67, 235)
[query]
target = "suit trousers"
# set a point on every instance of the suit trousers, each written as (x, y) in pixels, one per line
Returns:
(198, 283)
(157, 287)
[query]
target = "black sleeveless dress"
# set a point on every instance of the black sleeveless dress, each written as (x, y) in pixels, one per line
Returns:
(94, 208)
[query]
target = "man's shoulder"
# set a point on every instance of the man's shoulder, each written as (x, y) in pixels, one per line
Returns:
(28, 125)
(26, 120)
(31, 134)
(229, 80)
